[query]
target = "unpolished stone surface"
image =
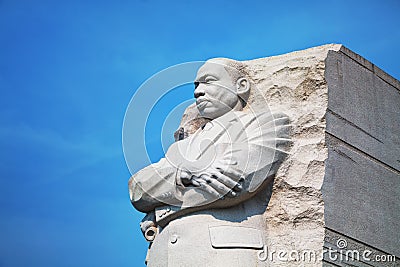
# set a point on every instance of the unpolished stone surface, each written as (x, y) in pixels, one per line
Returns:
(294, 83)
(354, 103)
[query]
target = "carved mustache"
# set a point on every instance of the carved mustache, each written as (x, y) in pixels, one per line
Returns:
(202, 100)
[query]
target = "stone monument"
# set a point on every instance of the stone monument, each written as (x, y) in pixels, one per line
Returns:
(290, 160)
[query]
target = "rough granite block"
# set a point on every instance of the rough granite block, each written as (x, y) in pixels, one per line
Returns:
(339, 186)
(343, 171)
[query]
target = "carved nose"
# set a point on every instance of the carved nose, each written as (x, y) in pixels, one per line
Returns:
(198, 93)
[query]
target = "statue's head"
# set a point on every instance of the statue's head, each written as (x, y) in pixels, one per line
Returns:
(221, 85)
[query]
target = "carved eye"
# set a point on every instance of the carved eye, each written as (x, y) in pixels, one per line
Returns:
(196, 84)
(209, 79)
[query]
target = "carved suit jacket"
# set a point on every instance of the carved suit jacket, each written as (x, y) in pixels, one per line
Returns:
(251, 143)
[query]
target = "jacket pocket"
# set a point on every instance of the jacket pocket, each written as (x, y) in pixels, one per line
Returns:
(235, 237)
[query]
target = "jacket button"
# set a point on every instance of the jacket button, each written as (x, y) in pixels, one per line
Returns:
(174, 239)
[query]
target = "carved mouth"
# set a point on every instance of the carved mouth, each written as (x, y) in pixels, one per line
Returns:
(201, 103)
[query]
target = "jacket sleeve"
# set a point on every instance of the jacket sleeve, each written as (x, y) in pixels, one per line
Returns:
(256, 151)
(257, 147)
(154, 186)
(260, 149)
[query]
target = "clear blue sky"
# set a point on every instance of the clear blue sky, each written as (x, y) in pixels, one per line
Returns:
(67, 72)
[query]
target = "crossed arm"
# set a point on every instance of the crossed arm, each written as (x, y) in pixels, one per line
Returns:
(236, 173)
(163, 183)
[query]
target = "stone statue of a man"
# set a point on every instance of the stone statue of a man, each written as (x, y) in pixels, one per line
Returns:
(204, 201)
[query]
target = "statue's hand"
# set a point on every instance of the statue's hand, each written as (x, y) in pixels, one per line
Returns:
(186, 178)
(222, 179)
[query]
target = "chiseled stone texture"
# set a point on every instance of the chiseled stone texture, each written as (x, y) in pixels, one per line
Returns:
(294, 83)
(342, 173)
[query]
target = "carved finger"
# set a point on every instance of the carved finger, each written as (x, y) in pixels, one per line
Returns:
(230, 172)
(195, 182)
(186, 178)
(238, 187)
(220, 187)
(206, 187)
(227, 181)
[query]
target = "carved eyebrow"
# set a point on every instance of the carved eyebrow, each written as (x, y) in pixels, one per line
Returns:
(204, 77)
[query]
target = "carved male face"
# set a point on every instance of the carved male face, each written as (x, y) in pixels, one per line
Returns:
(215, 91)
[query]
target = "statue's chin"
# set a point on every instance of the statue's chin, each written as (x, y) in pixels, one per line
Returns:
(210, 113)
(206, 113)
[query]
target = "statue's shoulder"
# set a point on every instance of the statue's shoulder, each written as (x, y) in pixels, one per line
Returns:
(262, 118)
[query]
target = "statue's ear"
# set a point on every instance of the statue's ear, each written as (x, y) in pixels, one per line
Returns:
(242, 86)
